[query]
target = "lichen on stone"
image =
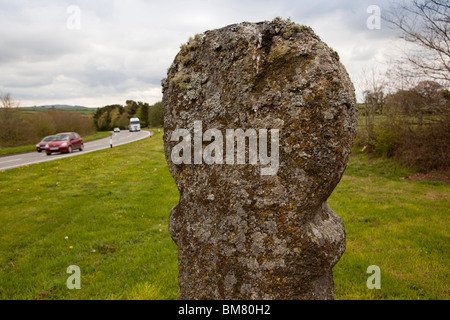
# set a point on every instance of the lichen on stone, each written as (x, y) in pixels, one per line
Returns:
(287, 28)
(192, 44)
(180, 80)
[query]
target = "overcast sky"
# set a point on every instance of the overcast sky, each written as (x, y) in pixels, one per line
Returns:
(95, 53)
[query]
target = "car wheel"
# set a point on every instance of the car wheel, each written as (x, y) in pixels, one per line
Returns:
(48, 153)
(39, 151)
(70, 149)
(81, 147)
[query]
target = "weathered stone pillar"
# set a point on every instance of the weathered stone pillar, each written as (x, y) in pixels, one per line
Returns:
(252, 221)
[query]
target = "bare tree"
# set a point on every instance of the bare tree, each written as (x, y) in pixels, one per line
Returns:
(7, 102)
(373, 87)
(9, 121)
(426, 25)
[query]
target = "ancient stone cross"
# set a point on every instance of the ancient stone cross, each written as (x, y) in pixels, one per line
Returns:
(259, 120)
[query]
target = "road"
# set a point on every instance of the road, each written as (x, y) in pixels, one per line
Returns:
(21, 160)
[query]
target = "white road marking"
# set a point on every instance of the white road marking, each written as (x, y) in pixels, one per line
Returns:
(5, 161)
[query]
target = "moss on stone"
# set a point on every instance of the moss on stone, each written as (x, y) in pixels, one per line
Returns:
(180, 80)
(287, 28)
(192, 44)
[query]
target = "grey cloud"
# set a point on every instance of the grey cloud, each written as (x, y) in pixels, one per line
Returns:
(96, 77)
(125, 47)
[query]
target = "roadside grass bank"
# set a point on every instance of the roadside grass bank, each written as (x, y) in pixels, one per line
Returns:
(105, 212)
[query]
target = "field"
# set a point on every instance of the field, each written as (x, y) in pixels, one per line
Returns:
(107, 212)
(402, 226)
(85, 111)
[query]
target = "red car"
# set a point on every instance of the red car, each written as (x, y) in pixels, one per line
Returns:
(64, 142)
(41, 145)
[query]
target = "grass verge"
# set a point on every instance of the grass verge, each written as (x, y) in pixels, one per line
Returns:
(105, 212)
(31, 148)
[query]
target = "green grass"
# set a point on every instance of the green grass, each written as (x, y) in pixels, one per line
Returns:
(31, 110)
(400, 225)
(113, 206)
(17, 150)
(31, 148)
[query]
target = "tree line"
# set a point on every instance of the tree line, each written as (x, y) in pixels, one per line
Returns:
(405, 113)
(410, 125)
(116, 115)
(18, 128)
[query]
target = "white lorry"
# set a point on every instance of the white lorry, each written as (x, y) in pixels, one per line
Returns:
(135, 125)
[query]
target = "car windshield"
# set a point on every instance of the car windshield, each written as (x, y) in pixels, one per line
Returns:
(48, 138)
(61, 137)
(134, 122)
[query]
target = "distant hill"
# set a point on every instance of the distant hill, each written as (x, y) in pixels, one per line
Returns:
(64, 107)
(56, 106)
